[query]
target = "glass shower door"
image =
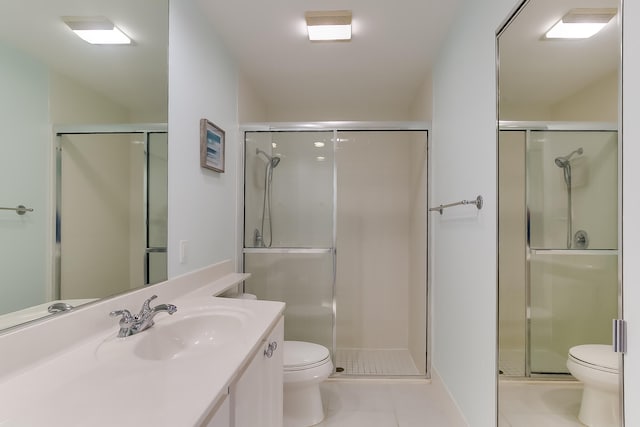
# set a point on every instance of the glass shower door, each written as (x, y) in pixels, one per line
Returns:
(289, 228)
(572, 222)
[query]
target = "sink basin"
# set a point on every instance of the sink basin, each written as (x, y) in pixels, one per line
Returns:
(191, 334)
(196, 333)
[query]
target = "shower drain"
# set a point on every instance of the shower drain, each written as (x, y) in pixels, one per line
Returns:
(339, 369)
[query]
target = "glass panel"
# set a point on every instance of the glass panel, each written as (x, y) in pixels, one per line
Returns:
(572, 197)
(573, 299)
(305, 283)
(572, 189)
(157, 267)
(157, 206)
(512, 269)
(382, 236)
(102, 215)
(289, 189)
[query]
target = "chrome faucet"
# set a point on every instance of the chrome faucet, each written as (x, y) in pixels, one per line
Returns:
(131, 325)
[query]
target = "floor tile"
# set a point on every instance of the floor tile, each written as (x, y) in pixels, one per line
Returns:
(380, 403)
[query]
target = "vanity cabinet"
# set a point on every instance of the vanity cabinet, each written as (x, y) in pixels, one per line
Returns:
(221, 417)
(256, 396)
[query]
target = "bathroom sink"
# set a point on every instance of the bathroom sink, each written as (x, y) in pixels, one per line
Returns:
(194, 333)
(190, 334)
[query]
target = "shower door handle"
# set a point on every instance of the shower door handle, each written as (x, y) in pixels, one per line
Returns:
(619, 336)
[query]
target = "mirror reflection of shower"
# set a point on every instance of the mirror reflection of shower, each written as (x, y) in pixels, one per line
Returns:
(258, 235)
(564, 162)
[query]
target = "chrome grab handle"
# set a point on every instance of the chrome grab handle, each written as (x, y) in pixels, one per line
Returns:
(270, 349)
(478, 202)
(20, 209)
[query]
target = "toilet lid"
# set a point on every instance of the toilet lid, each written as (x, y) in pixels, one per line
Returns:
(595, 354)
(298, 354)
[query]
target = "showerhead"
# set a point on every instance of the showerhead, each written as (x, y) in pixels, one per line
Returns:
(273, 160)
(563, 162)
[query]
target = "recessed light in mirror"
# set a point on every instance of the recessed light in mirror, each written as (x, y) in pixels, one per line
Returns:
(318, 144)
(320, 158)
(274, 145)
(581, 24)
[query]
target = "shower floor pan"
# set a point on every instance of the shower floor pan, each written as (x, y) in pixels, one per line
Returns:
(375, 362)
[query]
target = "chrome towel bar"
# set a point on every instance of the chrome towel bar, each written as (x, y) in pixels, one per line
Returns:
(478, 202)
(20, 209)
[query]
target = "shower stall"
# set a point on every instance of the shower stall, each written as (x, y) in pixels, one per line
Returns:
(111, 209)
(335, 225)
(558, 249)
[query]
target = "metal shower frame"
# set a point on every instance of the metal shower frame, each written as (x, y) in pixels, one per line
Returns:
(136, 128)
(335, 127)
(527, 127)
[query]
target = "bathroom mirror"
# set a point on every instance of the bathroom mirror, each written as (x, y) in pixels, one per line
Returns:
(558, 145)
(55, 88)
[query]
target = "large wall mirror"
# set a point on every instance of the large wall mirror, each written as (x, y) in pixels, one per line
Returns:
(558, 157)
(84, 143)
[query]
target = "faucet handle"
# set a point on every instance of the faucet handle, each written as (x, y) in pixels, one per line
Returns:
(146, 306)
(127, 317)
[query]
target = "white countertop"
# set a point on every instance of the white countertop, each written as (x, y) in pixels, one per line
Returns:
(101, 382)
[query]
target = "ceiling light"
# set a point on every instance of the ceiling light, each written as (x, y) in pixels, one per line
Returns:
(96, 30)
(330, 25)
(581, 23)
(318, 144)
(320, 158)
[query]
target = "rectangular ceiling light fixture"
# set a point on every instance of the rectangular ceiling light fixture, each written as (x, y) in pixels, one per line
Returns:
(329, 25)
(581, 23)
(96, 30)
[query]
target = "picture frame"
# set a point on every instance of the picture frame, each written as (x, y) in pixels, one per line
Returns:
(211, 146)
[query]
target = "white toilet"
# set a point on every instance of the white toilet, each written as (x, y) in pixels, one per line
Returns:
(306, 365)
(596, 366)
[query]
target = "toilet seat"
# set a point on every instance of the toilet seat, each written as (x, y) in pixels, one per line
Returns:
(299, 355)
(595, 356)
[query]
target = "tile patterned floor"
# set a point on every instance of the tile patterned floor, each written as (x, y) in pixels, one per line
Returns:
(386, 403)
(383, 362)
(539, 403)
(512, 363)
(418, 403)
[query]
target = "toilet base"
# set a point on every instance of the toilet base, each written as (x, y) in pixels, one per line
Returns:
(302, 406)
(599, 408)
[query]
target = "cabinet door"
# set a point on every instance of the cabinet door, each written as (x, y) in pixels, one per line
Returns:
(257, 394)
(220, 417)
(272, 377)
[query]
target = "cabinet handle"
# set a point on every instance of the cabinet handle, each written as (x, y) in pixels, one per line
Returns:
(270, 349)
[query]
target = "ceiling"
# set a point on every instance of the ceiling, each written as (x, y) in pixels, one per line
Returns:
(543, 72)
(133, 76)
(392, 52)
(386, 62)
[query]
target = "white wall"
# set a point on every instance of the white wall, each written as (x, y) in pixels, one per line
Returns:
(421, 108)
(24, 173)
(597, 103)
(73, 103)
(464, 239)
(251, 108)
(351, 112)
(202, 84)
(631, 207)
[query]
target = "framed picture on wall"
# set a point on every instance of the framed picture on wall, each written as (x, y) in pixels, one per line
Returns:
(211, 146)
